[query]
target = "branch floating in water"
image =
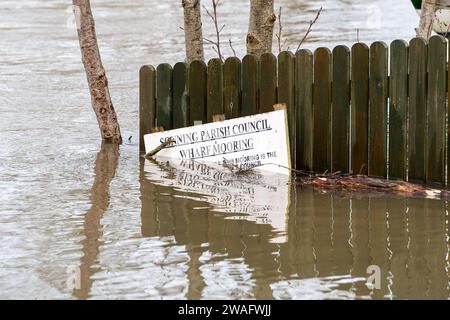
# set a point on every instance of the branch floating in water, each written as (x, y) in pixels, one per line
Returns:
(354, 184)
(367, 185)
(168, 142)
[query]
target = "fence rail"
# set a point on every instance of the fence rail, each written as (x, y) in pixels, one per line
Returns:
(372, 110)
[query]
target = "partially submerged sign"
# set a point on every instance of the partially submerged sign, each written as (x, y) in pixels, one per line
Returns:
(260, 141)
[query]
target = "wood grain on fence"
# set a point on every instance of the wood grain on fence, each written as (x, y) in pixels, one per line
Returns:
(197, 92)
(232, 88)
(340, 114)
(304, 103)
(322, 106)
(180, 96)
(397, 110)
(147, 100)
(360, 109)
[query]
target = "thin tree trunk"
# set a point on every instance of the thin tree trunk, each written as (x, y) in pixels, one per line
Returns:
(260, 31)
(96, 75)
(427, 16)
(193, 30)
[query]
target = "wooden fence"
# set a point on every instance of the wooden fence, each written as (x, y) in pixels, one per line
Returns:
(369, 110)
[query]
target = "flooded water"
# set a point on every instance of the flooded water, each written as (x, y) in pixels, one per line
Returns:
(135, 229)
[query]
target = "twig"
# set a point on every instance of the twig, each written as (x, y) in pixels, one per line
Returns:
(447, 31)
(162, 146)
(210, 41)
(231, 46)
(280, 31)
(311, 24)
(229, 165)
(213, 16)
(350, 183)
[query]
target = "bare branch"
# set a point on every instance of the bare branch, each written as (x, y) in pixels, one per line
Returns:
(167, 143)
(213, 16)
(210, 41)
(447, 31)
(311, 24)
(231, 46)
(280, 32)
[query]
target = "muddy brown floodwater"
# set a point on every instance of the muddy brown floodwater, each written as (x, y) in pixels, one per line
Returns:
(135, 229)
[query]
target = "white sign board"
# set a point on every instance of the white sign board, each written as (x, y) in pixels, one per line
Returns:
(260, 141)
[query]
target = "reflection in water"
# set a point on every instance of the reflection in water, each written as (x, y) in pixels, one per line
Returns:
(262, 198)
(105, 169)
(329, 241)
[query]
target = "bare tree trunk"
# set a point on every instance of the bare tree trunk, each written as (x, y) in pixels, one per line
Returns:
(193, 30)
(96, 75)
(260, 31)
(427, 16)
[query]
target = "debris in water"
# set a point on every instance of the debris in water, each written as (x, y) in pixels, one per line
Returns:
(168, 142)
(364, 184)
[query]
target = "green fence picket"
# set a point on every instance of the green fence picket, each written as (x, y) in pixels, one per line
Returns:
(214, 97)
(378, 97)
(397, 110)
(180, 96)
(448, 125)
(304, 104)
(286, 94)
(249, 86)
(232, 88)
(340, 114)
(164, 96)
(359, 108)
(417, 109)
(147, 100)
(436, 110)
(322, 104)
(267, 82)
(197, 92)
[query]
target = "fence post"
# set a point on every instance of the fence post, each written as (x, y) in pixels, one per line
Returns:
(417, 111)
(447, 153)
(232, 88)
(378, 91)
(436, 115)
(286, 94)
(267, 82)
(322, 105)
(360, 109)
(304, 105)
(164, 88)
(180, 96)
(397, 110)
(147, 100)
(214, 96)
(249, 86)
(197, 92)
(340, 110)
